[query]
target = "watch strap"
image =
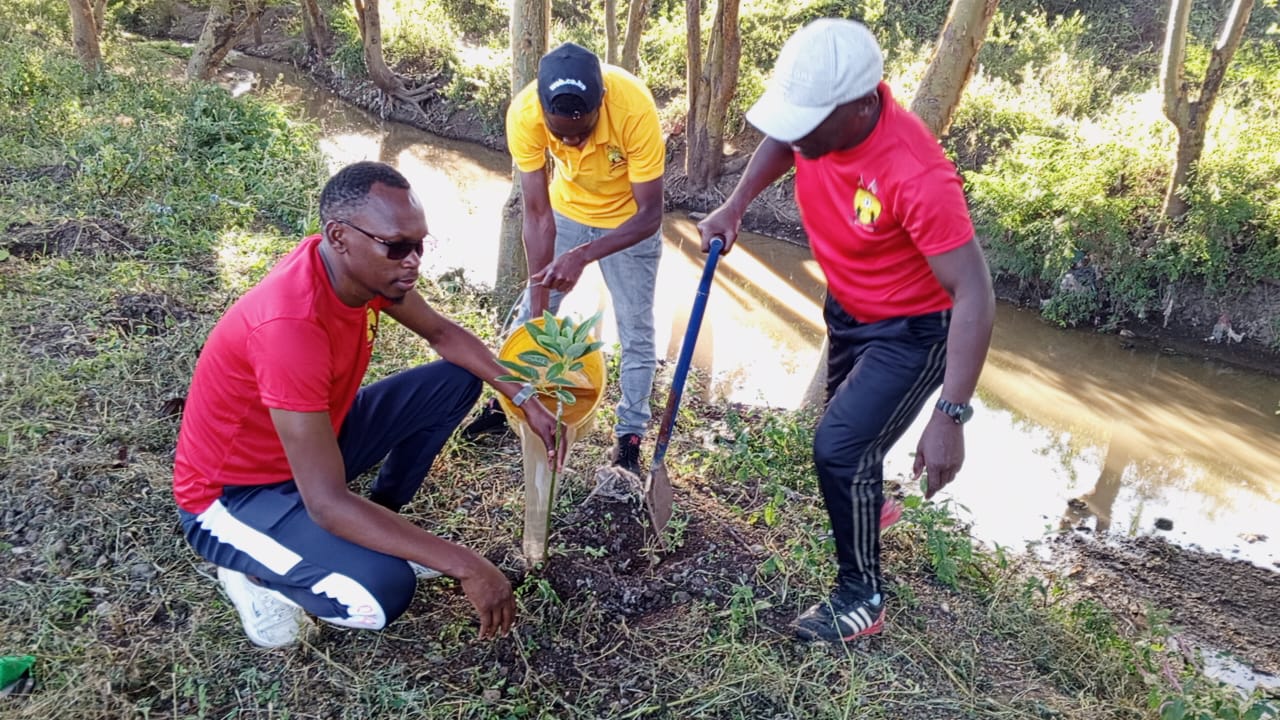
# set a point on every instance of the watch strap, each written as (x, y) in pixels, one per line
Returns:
(526, 392)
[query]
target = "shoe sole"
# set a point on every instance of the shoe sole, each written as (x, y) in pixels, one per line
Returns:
(811, 636)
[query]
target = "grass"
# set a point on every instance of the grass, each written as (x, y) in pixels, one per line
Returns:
(108, 289)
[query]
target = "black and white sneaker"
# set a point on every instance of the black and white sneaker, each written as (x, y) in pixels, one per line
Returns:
(626, 454)
(842, 617)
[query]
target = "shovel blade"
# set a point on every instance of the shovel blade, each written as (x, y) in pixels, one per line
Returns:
(658, 497)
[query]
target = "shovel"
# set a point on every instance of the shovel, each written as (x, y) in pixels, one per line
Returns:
(657, 490)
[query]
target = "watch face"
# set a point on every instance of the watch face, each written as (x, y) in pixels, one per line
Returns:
(966, 412)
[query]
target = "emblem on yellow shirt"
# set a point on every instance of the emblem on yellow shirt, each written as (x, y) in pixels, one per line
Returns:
(616, 158)
(866, 205)
(371, 326)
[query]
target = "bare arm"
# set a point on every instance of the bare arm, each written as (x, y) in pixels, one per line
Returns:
(771, 160)
(316, 462)
(539, 232)
(563, 272)
(964, 275)
(460, 347)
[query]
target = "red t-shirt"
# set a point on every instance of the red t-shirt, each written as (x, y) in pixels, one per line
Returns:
(874, 212)
(290, 344)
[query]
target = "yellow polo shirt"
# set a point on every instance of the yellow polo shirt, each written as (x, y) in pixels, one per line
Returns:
(593, 185)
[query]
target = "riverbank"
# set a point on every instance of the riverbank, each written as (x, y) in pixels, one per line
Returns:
(116, 262)
(1235, 327)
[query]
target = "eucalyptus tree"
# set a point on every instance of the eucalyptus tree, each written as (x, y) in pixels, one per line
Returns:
(955, 57)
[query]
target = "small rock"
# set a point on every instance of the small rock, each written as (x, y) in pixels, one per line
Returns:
(1253, 537)
(1164, 524)
(681, 597)
(1126, 333)
(103, 609)
(492, 695)
(757, 550)
(57, 548)
(142, 571)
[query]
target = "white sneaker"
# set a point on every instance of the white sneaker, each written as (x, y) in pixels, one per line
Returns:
(268, 620)
(422, 572)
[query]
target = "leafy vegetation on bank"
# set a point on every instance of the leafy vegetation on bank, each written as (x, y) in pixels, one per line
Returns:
(1060, 135)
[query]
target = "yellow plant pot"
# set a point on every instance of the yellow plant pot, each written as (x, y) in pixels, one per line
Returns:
(539, 484)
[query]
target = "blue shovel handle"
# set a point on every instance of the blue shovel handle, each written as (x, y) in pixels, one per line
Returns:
(686, 350)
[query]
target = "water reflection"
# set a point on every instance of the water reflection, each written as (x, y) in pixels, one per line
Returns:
(1073, 429)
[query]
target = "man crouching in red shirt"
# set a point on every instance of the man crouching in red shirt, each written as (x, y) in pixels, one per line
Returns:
(909, 303)
(276, 425)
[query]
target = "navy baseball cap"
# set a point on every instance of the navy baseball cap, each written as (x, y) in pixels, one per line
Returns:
(570, 70)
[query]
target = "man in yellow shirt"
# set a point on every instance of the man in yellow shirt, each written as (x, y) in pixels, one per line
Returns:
(603, 204)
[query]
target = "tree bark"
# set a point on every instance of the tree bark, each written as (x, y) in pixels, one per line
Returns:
(530, 37)
(716, 84)
(216, 39)
(254, 10)
(1190, 117)
(84, 35)
(315, 29)
(100, 16)
(370, 22)
(955, 57)
(637, 11)
(692, 66)
(611, 31)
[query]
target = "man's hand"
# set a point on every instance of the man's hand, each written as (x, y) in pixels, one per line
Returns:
(542, 422)
(563, 272)
(489, 592)
(940, 452)
(722, 222)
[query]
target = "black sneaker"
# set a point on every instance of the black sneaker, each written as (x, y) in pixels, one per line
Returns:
(842, 617)
(626, 453)
(490, 420)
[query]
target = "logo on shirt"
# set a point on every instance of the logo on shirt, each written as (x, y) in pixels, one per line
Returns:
(616, 158)
(371, 326)
(866, 206)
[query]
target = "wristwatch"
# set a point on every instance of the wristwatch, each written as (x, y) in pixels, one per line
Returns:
(959, 412)
(525, 393)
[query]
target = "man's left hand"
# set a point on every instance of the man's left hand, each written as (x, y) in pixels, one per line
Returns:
(940, 452)
(563, 272)
(542, 422)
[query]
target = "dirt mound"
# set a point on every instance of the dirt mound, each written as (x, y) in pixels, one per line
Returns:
(149, 313)
(71, 238)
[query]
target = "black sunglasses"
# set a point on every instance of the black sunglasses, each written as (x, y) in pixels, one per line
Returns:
(395, 250)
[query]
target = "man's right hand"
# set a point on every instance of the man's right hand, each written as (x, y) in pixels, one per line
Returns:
(490, 594)
(723, 222)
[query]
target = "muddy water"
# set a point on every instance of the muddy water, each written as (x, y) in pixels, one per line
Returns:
(1073, 429)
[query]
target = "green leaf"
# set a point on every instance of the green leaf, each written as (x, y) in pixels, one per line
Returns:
(534, 331)
(576, 367)
(559, 380)
(565, 396)
(1174, 710)
(534, 358)
(556, 370)
(527, 372)
(4, 254)
(510, 378)
(575, 351)
(593, 347)
(912, 501)
(550, 324)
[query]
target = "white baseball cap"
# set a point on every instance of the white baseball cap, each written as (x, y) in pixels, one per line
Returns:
(824, 64)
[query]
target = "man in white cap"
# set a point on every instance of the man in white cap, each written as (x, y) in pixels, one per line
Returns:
(909, 302)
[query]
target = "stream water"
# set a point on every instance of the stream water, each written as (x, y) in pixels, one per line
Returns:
(1073, 429)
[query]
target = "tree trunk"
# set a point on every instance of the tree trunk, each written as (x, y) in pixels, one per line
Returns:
(1190, 117)
(954, 59)
(84, 35)
(716, 84)
(100, 16)
(216, 39)
(530, 37)
(611, 31)
(692, 71)
(315, 28)
(370, 22)
(637, 11)
(254, 10)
